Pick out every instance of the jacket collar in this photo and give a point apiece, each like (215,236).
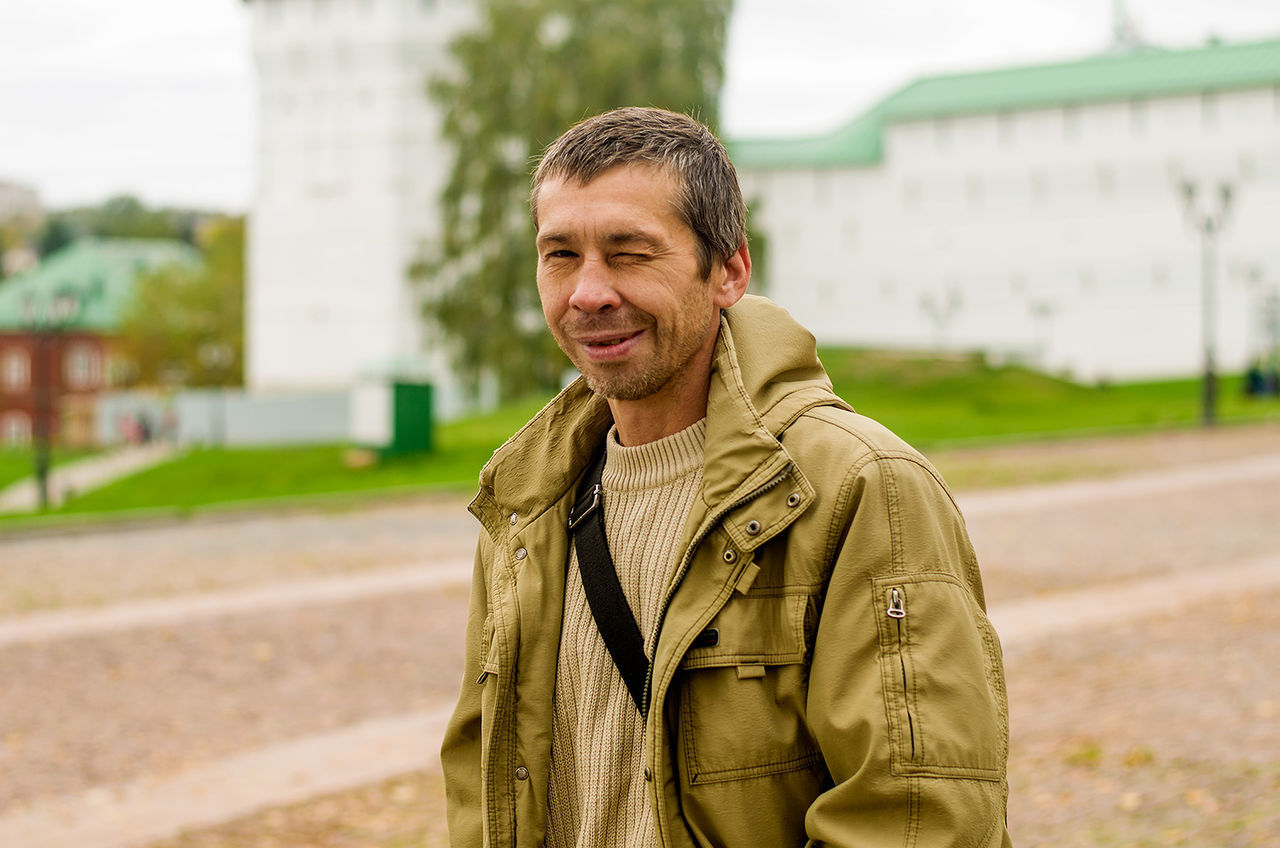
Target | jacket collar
(765,374)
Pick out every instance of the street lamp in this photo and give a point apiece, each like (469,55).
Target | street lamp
(1208,225)
(44,327)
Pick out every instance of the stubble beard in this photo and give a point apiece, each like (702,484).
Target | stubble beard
(673,353)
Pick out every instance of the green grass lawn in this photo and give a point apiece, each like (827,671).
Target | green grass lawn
(930,402)
(16,464)
(209,475)
(934,402)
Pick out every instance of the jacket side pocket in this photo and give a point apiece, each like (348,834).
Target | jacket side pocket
(940,670)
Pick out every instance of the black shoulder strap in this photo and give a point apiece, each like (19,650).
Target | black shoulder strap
(614,619)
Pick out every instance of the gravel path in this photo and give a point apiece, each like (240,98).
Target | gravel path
(99,710)
(1157,731)
(227,552)
(1054,549)
(111,704)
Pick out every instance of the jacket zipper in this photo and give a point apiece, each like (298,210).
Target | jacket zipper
(898,611)
(711,522)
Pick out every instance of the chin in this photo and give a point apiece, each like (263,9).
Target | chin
(625,387)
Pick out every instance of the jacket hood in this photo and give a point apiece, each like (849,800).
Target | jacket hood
(776,362)
(765,374)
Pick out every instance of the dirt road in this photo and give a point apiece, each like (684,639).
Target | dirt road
(134,660)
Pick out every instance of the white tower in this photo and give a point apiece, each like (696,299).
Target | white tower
(350,168)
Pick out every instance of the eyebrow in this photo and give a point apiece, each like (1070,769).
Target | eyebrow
(553,238)
(633,237)
(615,239)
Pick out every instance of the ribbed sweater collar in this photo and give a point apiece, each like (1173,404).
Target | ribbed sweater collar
(653,464)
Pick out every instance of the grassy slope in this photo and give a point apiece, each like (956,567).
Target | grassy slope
(206,476)
(928,402)
(931,401)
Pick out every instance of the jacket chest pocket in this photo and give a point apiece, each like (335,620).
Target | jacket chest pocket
(742,692)
(940,670)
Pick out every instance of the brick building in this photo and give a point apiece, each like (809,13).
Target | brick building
(58,323)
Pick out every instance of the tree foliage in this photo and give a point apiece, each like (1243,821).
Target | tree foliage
(528,71)
(123,216)
(186,324)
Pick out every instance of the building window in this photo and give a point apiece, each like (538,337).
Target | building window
(15,429)
(821,188)
(1209,108)
(83,367)
(973,190)
(15,371)
(911,193)
(1248,166)
(1088,280)
(1159,276)
(1137,116)
(1106,181)
(850,233)
(1005,124)
(942,133)
(1070,121)
(1039,186)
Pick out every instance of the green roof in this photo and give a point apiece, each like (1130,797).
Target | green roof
(101,274)
(1109,77)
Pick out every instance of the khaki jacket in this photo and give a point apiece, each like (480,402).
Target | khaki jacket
(816,718)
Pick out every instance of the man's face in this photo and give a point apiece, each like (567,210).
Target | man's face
(619,283)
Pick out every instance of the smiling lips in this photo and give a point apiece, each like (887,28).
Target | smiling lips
(600,346)
(607,342)
(601,340)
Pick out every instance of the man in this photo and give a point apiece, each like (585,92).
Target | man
(817,668)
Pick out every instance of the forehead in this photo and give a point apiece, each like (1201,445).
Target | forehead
(623,195)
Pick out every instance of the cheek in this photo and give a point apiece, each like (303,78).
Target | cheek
(548,297)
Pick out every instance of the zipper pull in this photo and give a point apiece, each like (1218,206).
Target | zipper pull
(897,609)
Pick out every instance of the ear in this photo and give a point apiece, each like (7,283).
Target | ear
(737,274)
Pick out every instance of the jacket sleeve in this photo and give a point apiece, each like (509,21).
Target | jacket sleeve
(461,750)
(906,695)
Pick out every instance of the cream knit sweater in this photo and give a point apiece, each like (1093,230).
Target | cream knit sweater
(598,796)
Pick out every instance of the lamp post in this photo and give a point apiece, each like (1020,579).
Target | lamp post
(1208,223)
(44,326)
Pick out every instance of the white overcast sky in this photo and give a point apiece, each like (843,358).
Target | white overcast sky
(156,97)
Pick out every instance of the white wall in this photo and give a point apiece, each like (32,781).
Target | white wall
(1054,236)
(351,167)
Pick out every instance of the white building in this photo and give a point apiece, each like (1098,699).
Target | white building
(1034,213)
(350,167)
(1037,213)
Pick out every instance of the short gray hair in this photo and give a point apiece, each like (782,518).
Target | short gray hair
(708,198)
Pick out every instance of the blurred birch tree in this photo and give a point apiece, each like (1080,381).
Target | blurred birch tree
(530,70)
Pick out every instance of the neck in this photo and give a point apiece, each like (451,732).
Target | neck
(677,405)
(638,425)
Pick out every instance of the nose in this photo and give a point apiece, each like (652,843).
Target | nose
(593,290)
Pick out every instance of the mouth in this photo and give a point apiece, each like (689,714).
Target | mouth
(603,347)
(609,342)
